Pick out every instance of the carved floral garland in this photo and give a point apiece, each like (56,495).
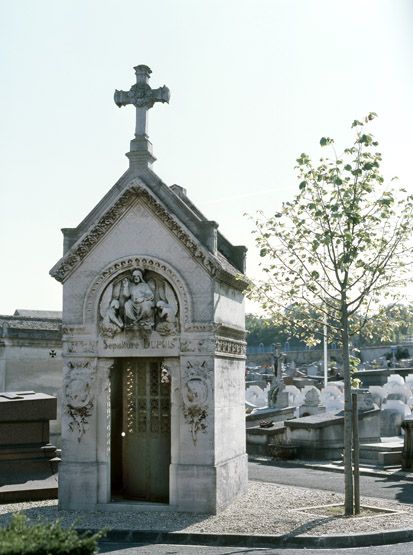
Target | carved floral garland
(196,418)
(79,416)
(78,391)
(195,394)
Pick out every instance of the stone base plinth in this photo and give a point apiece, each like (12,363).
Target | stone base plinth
(25,451)
(78,486)
(208,489)
(321,436)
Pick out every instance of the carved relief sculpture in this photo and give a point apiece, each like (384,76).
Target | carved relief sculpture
(195,395)
(140,304)
(165,374)
(134,303)
(111,322)
(79,399)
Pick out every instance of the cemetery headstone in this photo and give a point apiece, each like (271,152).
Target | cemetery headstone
(25,451)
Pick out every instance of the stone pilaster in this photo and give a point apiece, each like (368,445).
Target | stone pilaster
(103,428)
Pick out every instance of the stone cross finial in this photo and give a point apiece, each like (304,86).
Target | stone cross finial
(142,97)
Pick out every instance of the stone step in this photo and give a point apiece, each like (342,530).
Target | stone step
(30,490)
(392,446)
(385,453)
(384,459)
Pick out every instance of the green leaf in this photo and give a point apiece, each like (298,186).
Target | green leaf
(366,140)
(324,141)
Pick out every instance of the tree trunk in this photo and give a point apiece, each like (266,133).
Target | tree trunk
(348,420)
(356,453)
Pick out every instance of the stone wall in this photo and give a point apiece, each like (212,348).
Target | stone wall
(31,356)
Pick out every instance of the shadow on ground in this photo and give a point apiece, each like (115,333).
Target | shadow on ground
(405,493)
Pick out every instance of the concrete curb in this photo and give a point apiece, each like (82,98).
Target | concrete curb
(243,540)
(364,470)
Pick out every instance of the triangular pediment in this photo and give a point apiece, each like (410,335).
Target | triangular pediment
(72,259)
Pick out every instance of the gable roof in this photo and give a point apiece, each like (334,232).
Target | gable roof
(182,218)
(175,201)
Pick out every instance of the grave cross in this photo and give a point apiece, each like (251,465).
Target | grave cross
(142,97)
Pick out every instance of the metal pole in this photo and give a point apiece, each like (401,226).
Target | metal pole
(325,346)
(356,461)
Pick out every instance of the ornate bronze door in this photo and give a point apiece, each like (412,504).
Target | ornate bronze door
(146,444)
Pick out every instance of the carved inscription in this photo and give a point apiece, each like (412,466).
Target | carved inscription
(140,343)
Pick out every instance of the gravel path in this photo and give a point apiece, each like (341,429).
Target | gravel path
(266,508)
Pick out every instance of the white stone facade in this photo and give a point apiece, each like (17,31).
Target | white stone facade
(146,276)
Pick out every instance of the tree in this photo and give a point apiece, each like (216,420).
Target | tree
(263,330)
(336,250)
(387,325)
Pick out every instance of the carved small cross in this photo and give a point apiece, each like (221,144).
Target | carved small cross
(142,97)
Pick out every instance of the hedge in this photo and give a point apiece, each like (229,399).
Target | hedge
(20,537)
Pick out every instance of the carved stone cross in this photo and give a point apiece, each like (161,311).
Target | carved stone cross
(142,97)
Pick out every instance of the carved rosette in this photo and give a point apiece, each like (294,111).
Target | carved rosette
(78,390)
(196,396)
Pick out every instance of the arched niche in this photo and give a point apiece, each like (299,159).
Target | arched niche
(154,270)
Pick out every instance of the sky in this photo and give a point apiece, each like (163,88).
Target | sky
(253,84)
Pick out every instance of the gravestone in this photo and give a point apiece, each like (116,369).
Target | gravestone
(312,402)
(25,451)
(392,414)
(153,345)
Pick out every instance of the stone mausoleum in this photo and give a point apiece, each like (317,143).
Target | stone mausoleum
(153,345)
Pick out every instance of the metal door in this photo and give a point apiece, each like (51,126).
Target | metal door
(146,431)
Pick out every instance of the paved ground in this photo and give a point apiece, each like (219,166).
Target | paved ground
(391,487)
(267,509)
(285,501)
(168,549)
